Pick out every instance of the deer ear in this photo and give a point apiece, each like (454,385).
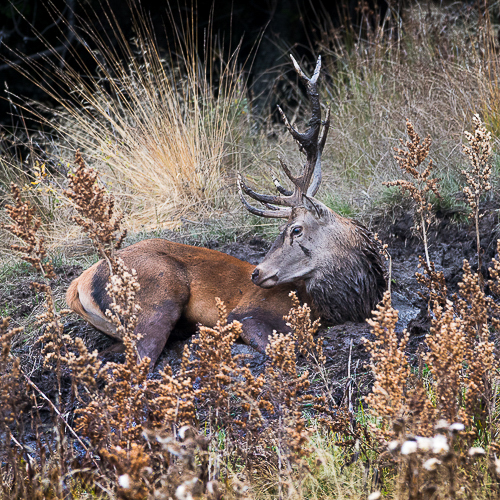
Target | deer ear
(317,208)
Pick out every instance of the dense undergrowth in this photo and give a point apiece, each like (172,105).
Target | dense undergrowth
(214,429)
(217,430)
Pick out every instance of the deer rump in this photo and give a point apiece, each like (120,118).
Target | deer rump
(333,263)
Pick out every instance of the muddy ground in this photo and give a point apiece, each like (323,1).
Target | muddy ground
(450,243)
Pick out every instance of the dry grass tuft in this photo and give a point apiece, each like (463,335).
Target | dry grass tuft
(156,126)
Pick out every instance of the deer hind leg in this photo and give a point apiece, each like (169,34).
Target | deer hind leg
(155,328)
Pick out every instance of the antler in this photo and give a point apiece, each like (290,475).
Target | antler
(311,142)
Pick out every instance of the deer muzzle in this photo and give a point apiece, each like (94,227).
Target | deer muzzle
(259,279)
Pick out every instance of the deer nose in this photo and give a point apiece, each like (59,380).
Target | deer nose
(255,275)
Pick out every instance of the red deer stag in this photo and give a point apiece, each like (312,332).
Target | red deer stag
(332,262)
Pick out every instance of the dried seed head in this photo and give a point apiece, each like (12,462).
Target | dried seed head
(478,152)
(457,427)
(124,481)
(424,444)
(394,446)
(440,444)
(476,451)
(497,466)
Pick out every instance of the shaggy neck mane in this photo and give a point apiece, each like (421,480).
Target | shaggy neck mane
(349,289)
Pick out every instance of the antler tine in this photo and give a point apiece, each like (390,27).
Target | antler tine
(312,143)
(263,198)
(280,188)
(272,212)
(310,134)
(287,171)
(295,133)
(316,180)
(313,78)
(308,140)
(324,133)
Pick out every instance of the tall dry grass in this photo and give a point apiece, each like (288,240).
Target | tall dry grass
(439,72)
(162,128)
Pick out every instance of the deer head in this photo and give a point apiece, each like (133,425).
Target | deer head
(335,256)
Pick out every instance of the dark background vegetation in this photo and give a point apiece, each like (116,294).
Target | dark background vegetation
(266,29)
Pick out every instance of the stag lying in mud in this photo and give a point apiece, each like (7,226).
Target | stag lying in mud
(331,262)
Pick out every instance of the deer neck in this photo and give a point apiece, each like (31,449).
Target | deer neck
(348,290)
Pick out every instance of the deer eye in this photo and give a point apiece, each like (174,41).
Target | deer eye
(296,231)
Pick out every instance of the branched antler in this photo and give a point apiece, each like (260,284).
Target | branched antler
(311,142)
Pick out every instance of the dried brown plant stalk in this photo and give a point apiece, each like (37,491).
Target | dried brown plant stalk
(238,399)
(285,389)
(434,282)
(227,390)
(172,402)
(390,369)
(447,345)
(12,386)
(327,412)
(477,178)
(299,321)
(222,375)
(410,160)
(474,309)
(128,466)
(25,226)
(96,210)
(53,339)
(494,283)
(116,413)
